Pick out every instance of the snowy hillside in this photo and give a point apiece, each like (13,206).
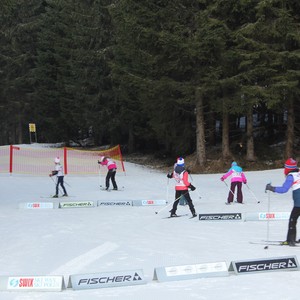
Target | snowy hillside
(116,238)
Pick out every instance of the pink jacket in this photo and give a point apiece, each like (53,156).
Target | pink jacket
(235,176)
(109,163)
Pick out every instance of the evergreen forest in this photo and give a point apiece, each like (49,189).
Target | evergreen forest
(172,77)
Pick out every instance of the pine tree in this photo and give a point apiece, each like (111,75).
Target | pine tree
(19,27)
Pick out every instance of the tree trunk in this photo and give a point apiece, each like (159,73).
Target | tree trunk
(211,128)
(250,141)
(225,133)
(200,131)
(289,152)
(19,128)
(131,139)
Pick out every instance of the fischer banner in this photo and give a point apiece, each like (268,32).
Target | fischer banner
(77,204)
(107,279)
(221,217)
(289,263)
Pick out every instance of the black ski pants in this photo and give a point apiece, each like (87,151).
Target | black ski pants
(292,231)
(111,174)
(187,196)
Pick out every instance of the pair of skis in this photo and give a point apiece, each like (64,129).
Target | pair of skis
(120,189)
(275,243)
(178,216)
(59,196)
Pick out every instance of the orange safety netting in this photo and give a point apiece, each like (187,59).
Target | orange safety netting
(24,159)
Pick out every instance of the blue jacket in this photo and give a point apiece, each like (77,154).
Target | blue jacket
(290,181)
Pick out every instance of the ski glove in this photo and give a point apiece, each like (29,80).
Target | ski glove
(222,178)
(245,182)
(269,187)
(192,187)
(169,175)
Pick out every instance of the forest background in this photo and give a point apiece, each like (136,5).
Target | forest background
(212,80)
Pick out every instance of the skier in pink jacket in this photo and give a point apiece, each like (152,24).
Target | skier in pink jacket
(237,178)
(112,170)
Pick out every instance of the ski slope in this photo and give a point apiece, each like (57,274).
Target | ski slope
(111,238)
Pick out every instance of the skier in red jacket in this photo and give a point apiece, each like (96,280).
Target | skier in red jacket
(181,187)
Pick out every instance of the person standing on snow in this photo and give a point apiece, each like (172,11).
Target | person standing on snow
(292,180)
(58,171)
(181,187)
(112,170)
(237,178)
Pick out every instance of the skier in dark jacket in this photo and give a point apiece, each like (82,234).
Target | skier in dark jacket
(181,188)
(292,180)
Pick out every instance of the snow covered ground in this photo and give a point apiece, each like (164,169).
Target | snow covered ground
(107,239)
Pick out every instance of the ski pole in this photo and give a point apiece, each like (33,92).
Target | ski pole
(252,193)
(168,191)
(268,218)
(66,183)
(56,184)
(157,212)
(229,188)
(197,193)
(196,188)
(190,176)
(99,175)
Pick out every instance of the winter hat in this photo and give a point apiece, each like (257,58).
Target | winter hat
(180,161)
(57,160)
(289,165)
(234,163)
(102,158)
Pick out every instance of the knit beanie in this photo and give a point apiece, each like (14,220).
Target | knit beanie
(180,161)
(290,165)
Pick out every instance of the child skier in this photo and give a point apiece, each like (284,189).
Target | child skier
(292,180)
(237,178)
(112,169)
(181,187)
(58,171)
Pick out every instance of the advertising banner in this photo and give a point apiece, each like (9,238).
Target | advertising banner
(33,283)
(221,217)
(115,203)
(185,272)
(265,265)
(108,279)
(149,202)
(80,204)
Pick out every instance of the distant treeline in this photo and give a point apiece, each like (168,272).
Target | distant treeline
(174,77)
